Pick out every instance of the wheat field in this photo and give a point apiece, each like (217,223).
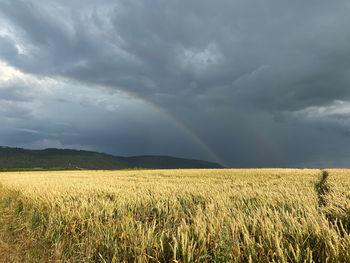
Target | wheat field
(224,215)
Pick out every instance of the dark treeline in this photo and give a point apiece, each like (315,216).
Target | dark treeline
(62,159)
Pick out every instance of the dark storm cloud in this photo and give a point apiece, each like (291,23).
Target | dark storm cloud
(241,74)
(174,47)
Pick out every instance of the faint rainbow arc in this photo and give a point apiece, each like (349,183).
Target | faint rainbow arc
(190,132)
(178,123)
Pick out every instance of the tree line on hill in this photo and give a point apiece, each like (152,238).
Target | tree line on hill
(64,159)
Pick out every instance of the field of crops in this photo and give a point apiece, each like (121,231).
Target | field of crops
(227,215)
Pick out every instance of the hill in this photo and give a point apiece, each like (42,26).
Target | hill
(18,158)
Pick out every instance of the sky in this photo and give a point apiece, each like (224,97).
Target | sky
(239,82)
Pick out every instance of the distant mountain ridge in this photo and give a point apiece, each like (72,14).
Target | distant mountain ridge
(64,159)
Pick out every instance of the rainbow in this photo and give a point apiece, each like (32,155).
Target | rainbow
(165,113)
(185,128)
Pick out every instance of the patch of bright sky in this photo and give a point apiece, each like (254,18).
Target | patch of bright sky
(41,89)
(337,107)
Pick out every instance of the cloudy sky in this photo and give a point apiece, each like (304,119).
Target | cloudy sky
(241,82)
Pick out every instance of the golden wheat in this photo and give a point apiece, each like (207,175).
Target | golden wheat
(225,215)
